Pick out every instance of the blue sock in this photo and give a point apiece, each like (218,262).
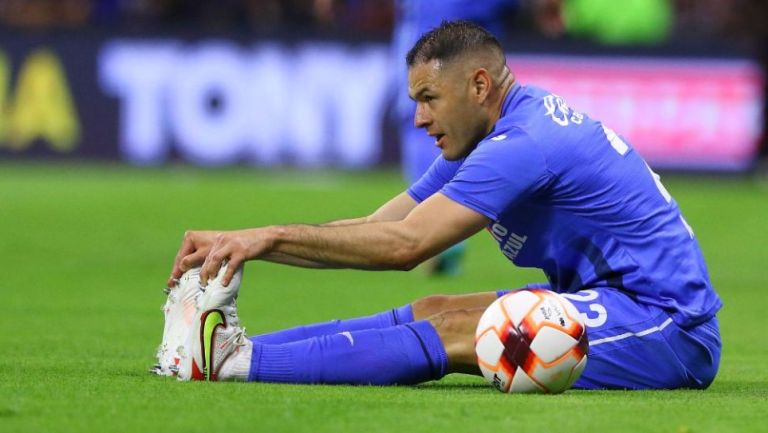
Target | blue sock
(393,317)
(404,355)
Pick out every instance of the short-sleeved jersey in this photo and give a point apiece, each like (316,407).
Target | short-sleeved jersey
(569,196)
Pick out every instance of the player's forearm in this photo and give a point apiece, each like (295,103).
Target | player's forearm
(377,246)
(286,259)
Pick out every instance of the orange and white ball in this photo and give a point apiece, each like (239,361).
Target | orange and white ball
(531,340)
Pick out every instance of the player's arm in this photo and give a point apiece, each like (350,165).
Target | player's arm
(197,244)
(429,228)
(394,210)
(389,240)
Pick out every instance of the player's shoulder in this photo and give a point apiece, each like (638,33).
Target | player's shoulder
(508,145)
(542,110)
(515,127)
(507,137)
(547,118)
(515,131)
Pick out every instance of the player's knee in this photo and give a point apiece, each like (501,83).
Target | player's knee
(455,322)
(435,304)
(430,306)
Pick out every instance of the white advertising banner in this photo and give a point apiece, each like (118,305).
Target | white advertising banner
(314,104)
(215,102)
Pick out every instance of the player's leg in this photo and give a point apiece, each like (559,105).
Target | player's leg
(456,330)
(632,346)
(403,354)
(406,354)
(417,310)
(384,319)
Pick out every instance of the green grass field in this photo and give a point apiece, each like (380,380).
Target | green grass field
(85,251)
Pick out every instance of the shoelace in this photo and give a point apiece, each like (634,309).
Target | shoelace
(237,338)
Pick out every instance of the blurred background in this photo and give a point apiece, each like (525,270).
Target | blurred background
(314,83)
(124,123)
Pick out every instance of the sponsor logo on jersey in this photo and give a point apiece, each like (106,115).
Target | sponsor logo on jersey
(510,243)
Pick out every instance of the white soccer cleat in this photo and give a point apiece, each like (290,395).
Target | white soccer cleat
(218,351)
(179,311)
(217,296)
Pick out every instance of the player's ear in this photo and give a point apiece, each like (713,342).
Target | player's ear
(481,84)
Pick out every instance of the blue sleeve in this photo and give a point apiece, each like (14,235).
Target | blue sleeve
(438,174)
(498,174)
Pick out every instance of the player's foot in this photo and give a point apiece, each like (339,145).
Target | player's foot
(215,296)
(218,351)
(179,311)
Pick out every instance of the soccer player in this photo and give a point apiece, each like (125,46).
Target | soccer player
(554,188)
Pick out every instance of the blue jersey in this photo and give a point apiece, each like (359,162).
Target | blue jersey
(567,195)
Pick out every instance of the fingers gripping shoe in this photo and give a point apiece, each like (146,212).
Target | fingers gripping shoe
(218,351)
(179,311)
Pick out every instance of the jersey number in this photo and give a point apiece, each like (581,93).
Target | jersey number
(600,313)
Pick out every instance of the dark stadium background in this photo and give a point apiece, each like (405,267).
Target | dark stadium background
(215,82)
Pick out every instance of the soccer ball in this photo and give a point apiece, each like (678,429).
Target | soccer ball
(531,340)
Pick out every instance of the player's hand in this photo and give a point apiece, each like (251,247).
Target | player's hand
(233,248)
(194,248)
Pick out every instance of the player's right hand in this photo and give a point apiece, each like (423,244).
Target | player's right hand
(194,248)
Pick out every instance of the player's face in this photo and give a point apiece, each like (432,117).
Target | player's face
(445,107)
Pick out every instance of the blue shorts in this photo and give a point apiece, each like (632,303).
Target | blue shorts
(638,346)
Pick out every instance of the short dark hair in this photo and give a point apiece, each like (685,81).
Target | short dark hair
(449,40)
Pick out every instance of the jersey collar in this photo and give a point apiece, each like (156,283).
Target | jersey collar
(510,100)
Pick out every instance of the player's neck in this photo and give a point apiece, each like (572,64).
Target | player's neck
(507,82)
